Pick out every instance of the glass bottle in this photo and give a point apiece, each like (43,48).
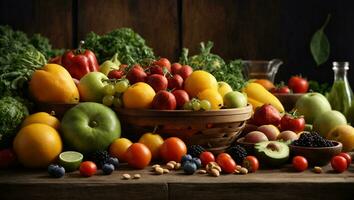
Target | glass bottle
(341,95)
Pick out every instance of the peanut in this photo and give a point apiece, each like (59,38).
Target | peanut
(177,166)
(126,176)
(244,170)
(136,176)
(214,172)
(166,171)
(158,171)
(170,166)
(201,171)
(317,170)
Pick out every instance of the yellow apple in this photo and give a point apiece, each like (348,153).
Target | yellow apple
(224,88)
(343,134)
(153,142)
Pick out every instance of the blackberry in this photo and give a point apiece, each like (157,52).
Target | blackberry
(312,139)
(237,153)
(99,158)
(195,150)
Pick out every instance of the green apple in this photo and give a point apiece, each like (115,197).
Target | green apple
(325,122)
(312,105)
(235,99)
(91,87)
(90,126)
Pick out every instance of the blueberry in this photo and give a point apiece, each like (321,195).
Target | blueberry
(107,168)
(197,162)
(51,169)
(186,158)
(189,167)
(56,171)
(114,162)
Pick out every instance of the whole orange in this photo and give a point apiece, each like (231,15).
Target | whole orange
(138,156)
(173,149)
(153,142)
(119,147)
(139,95)
(37,145)
(43,118)
(198,81)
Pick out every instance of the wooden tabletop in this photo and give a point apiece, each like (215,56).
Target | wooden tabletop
(264,184)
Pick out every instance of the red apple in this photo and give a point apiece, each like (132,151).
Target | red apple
(175,67)
(175,82)
(266,114)
(163,62)
(181,96)
(157,82)
(156,69)
(164,100)
(136,74)
(185,71)
(116,74)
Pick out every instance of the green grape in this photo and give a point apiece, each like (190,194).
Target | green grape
(196,105)
(205,105)
(121,86)
(117,102)
(188,106)
(108,100)
(109,90)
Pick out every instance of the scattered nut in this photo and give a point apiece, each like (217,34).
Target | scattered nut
(237,171)
(154,167)
(317,170)
(178,166)
(214,172)
(158,171)
(170,166)
(213,165)
(244,170)
(166,171)
(136,176)
(126,176)
(201,171)
(238,167)
(173,162)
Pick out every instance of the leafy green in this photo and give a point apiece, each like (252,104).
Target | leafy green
(129,46)
(315,86)
(320,47)
(43,45)
(12,112)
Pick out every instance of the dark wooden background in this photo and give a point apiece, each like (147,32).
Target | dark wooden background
(247,29)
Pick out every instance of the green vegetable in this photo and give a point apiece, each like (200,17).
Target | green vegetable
(129,46)
(319,46)
(42,44)
(109,65)
(318,87)
(12,113)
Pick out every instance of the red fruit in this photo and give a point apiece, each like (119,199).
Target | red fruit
(7,158)
(136,74)
(298,84)
(164,100)
(157,82)
(292,123)
(283,90)
(347,157)
(138,156)
(185,71)
(226,163)
(181,96)
(163,62)
(300,163)
(175,82)
(88,168)
(123,66)
(266,114)
(339,164)
(156,69)
(175,67)
(173,149)
(251,163)
(206,157)
(116,74)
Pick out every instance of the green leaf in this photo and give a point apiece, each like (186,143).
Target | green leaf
(320,47)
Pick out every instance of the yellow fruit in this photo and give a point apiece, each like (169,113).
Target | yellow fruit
(119,147)
(267,84)
(343,134)
(42,118)
(153,142)
(37,145)
(224,88)
(198,81)
(213,97)
(139,95)
(255,104)
(53,84)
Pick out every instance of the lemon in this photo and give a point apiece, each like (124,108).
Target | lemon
(213,97)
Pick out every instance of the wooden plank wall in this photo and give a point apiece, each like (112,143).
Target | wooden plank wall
(253,29)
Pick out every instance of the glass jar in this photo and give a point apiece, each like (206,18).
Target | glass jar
(341,95)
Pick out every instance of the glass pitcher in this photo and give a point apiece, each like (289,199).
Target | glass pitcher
(261,69)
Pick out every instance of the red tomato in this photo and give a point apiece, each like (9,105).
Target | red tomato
(227,164)
(251,163)
(298,84)
(138,155)
(88,168)
(292,123)
(300,163)
(347,157)
(175,67)
(206,157)
(163,62)
(339,164)
(283,90)
(173,149)
(7,158)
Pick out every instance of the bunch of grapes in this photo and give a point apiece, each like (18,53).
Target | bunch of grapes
(196,104)
(113,92)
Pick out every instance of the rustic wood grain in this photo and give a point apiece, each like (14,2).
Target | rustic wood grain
(156,21)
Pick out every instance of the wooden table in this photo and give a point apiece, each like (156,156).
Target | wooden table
(264,184)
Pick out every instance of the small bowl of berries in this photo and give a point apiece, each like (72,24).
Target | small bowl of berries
(317,150)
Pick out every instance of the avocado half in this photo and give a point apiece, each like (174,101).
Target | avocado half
(272,153)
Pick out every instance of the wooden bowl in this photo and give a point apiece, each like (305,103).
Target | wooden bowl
(288,100)
(58,108)
(317,156)
(215,130)
(249,147)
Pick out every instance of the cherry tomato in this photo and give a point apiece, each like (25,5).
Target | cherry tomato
(88,168)
(227,164)
(163,62)
(206,157)
(138,155)
(339,164)
(175,67)
(7,158)
(251,163)
(292,123)
(298,84)
(173,149)
(347,157)
(300,163)
(283,90)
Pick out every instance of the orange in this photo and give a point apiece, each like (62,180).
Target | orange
(198,81)
(213,96)
(267,84)
(139,95)
(119,147)
(173,149)
(43,118)
(138,156)
(153,142)
(37,145)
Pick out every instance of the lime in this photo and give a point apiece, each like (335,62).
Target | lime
(70,160)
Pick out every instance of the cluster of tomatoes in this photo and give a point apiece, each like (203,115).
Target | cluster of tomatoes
(296,84)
